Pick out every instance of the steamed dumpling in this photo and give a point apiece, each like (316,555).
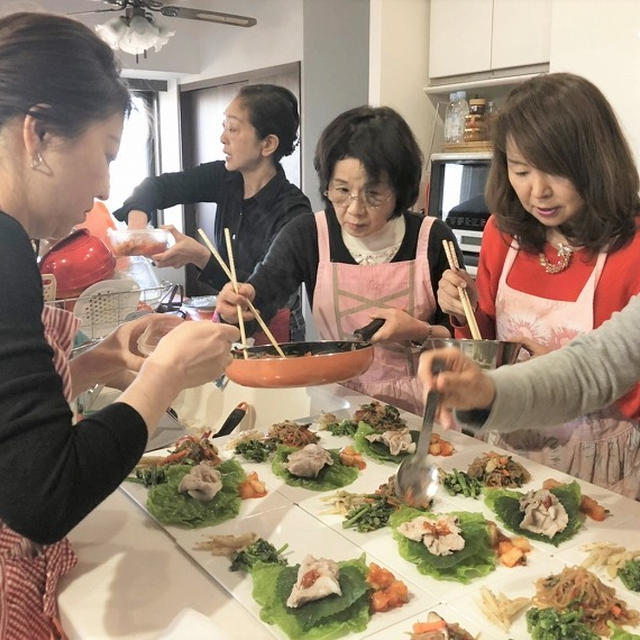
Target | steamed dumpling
(308,461)
(202,482)
(317,578)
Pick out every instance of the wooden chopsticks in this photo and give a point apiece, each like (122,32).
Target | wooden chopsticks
(234,284)
(452,257)
(231,276)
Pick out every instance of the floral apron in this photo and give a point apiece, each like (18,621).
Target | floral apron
(345,297)
(601,447)
(29,572)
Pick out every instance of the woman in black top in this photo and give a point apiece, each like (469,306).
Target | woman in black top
(62,107)
(365,256)
(254,198)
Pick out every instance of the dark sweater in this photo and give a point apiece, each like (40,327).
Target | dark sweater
(52,473)
(253,222)
(293,257)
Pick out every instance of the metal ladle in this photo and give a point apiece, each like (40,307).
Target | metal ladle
(417,479)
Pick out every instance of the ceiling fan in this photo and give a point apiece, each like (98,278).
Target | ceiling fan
(136,31)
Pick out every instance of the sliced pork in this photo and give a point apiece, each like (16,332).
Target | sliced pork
(543,513)
(398,441)
(202,482)
(308,461)
(317,578)
(441,537)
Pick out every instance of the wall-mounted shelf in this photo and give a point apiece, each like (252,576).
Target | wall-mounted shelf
(479,83)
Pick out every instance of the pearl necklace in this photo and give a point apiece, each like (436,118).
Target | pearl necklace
(565,252)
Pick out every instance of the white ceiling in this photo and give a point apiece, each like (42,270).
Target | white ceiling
(186,52)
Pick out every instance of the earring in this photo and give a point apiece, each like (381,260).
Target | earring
(36,161)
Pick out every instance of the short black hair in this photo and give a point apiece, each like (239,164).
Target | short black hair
(59,71)
(273,110)
(383,142)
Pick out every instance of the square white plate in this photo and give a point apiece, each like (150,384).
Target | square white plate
(292,526)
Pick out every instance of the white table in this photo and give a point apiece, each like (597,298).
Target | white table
(132,578)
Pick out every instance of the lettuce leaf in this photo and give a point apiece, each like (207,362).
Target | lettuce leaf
(620,634)
(377,450)
(475,560)
(505,503)
(330,617)
(170,507)
(330,477)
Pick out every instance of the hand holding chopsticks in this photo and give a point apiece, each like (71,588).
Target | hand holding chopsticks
(234,284)
(225,268)
(452,257)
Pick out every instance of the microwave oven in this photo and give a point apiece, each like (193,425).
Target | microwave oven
(456,196)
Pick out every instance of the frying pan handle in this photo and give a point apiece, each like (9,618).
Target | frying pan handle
(365,333)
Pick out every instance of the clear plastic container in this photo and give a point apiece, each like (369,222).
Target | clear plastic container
(200,307)
(139,242)
(450,119)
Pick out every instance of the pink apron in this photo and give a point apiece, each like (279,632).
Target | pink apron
(601,447)
(29,572)
(346,296)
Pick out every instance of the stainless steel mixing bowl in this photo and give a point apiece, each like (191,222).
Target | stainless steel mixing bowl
(487,354)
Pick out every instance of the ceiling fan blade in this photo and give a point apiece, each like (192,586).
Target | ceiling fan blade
(87,13)
(208,16)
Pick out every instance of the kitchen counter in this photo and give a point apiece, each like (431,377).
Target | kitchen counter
(134,577)
(131,579)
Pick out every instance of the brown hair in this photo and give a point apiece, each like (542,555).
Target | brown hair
(57,70)
(563,125)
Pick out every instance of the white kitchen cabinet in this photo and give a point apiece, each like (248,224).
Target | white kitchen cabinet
(521,33)
(472,36)
(459,37)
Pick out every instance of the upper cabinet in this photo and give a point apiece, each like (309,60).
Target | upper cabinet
(472,36)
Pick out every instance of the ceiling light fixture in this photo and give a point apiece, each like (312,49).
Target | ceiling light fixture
(134,33)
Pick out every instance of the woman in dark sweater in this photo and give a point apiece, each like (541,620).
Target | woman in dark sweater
(253,197)
(365,256)
(62,107)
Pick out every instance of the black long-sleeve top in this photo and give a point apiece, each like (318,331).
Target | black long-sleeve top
(293,257)
(52,473)
(253,222)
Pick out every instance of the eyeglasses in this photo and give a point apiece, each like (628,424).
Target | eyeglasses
(373,198)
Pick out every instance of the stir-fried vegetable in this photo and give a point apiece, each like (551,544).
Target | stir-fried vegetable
(549,624)
(373,514)
(260,550)
(345,428)
(256,450)
(460,482)
(151,475)
(630,574)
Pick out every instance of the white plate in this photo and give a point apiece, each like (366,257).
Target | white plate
(291,525)
(104,305)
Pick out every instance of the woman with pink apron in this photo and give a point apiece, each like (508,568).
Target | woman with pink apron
(601,447)
(346,298)
(365,255)
(29,572)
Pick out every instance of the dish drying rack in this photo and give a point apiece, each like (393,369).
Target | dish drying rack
(104,308)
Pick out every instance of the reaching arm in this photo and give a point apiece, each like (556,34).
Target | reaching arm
(592,372)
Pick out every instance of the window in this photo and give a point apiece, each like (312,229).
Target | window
(136,158)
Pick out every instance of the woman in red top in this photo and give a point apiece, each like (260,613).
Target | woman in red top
(559,256)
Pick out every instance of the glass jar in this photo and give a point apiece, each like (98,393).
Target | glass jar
(475,123)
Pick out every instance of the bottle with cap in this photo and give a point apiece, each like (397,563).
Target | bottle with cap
(462,112)
(450,119)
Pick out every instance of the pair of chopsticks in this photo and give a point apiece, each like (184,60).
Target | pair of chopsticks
(230,271)
(452,257)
